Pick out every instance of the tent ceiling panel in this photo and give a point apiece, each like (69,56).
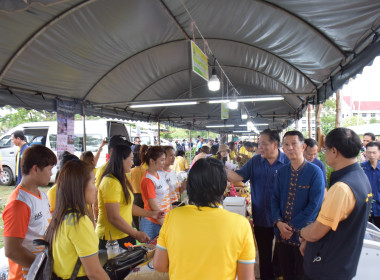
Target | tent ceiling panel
(109,54)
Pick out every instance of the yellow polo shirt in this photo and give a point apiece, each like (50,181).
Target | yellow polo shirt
(212,238)
(72,241)
(111,191)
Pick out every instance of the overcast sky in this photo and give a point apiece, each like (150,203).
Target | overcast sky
(365,86)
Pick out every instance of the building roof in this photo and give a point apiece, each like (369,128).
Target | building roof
(362,105)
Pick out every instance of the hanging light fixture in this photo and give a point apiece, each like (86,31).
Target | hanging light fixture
(214,82)
(244,114)
(233,104)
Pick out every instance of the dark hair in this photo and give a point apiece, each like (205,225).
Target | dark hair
(248,144)
(63,158)
(143,150)
(231,145)
(167,148)
(115,167)
(205,149)
(207,182)
(153,153)
(370,134)
(310,142)
(37,155)
(118,140)
(19,134)
(295,133)
(272,134)
(373,144)
(136,155)
(345,140)
(87,157)
(180,153)
(214,149)
(71,186)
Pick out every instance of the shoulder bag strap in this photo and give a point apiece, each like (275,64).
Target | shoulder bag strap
(76,270)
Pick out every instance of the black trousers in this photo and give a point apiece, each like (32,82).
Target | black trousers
(264,238)
(375,221)
(291,261)
(139,202)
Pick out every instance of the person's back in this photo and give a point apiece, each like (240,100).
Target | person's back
(219,243)
(180,163)
(213,239)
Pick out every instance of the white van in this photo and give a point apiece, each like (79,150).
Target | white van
(45,133)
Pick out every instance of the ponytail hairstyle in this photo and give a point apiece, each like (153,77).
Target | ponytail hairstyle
(71,185)
(154,152)
(115,168)
(143,150)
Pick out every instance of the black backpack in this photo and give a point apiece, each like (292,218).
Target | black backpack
(42,266)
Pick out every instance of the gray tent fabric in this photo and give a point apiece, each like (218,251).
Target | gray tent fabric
(107,55)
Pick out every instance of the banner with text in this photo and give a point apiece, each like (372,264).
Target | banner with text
(65,127)
(199,61)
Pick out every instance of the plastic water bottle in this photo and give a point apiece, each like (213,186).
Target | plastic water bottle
(113,248)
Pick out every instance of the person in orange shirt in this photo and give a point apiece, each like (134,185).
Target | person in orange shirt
(155,191)
(27,214)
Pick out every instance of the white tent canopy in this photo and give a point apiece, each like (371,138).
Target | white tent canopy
(109,54)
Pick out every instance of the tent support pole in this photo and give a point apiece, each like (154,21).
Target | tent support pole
(84,128)
(158,132)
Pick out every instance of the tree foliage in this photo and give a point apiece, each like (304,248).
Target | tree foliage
(19,116)
(328,115)
(354,120)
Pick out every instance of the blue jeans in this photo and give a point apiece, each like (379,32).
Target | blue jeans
(150,228)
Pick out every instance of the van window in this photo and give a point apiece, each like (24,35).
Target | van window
(93,142)
(6,142)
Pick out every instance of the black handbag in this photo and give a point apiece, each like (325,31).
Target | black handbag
(120,266)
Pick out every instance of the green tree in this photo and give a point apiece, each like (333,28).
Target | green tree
(354,120)
(328,115)
(21,115)
(374,120)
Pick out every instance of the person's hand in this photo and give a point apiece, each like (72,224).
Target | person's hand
(183,186)
(302,246)
(141,237)
(157,214)
(104,142)
(285,230)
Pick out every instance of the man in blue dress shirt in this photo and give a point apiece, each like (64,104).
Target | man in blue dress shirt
(261,170)
(371,168)
(310,154)
(296,200)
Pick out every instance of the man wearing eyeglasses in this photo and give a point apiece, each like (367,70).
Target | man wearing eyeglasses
(332,244)
(261,170)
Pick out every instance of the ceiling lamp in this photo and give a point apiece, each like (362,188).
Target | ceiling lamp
(244,114)
(166,104)
(233,104)
(213,82)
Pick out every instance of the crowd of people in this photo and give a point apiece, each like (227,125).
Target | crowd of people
(316,229)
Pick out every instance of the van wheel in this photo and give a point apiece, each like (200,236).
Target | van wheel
(7,178)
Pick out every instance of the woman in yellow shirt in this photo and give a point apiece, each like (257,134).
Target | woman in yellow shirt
(115,200)
(218,241)
(137,173)
(71,232)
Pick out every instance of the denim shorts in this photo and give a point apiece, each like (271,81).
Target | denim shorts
(150,228)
